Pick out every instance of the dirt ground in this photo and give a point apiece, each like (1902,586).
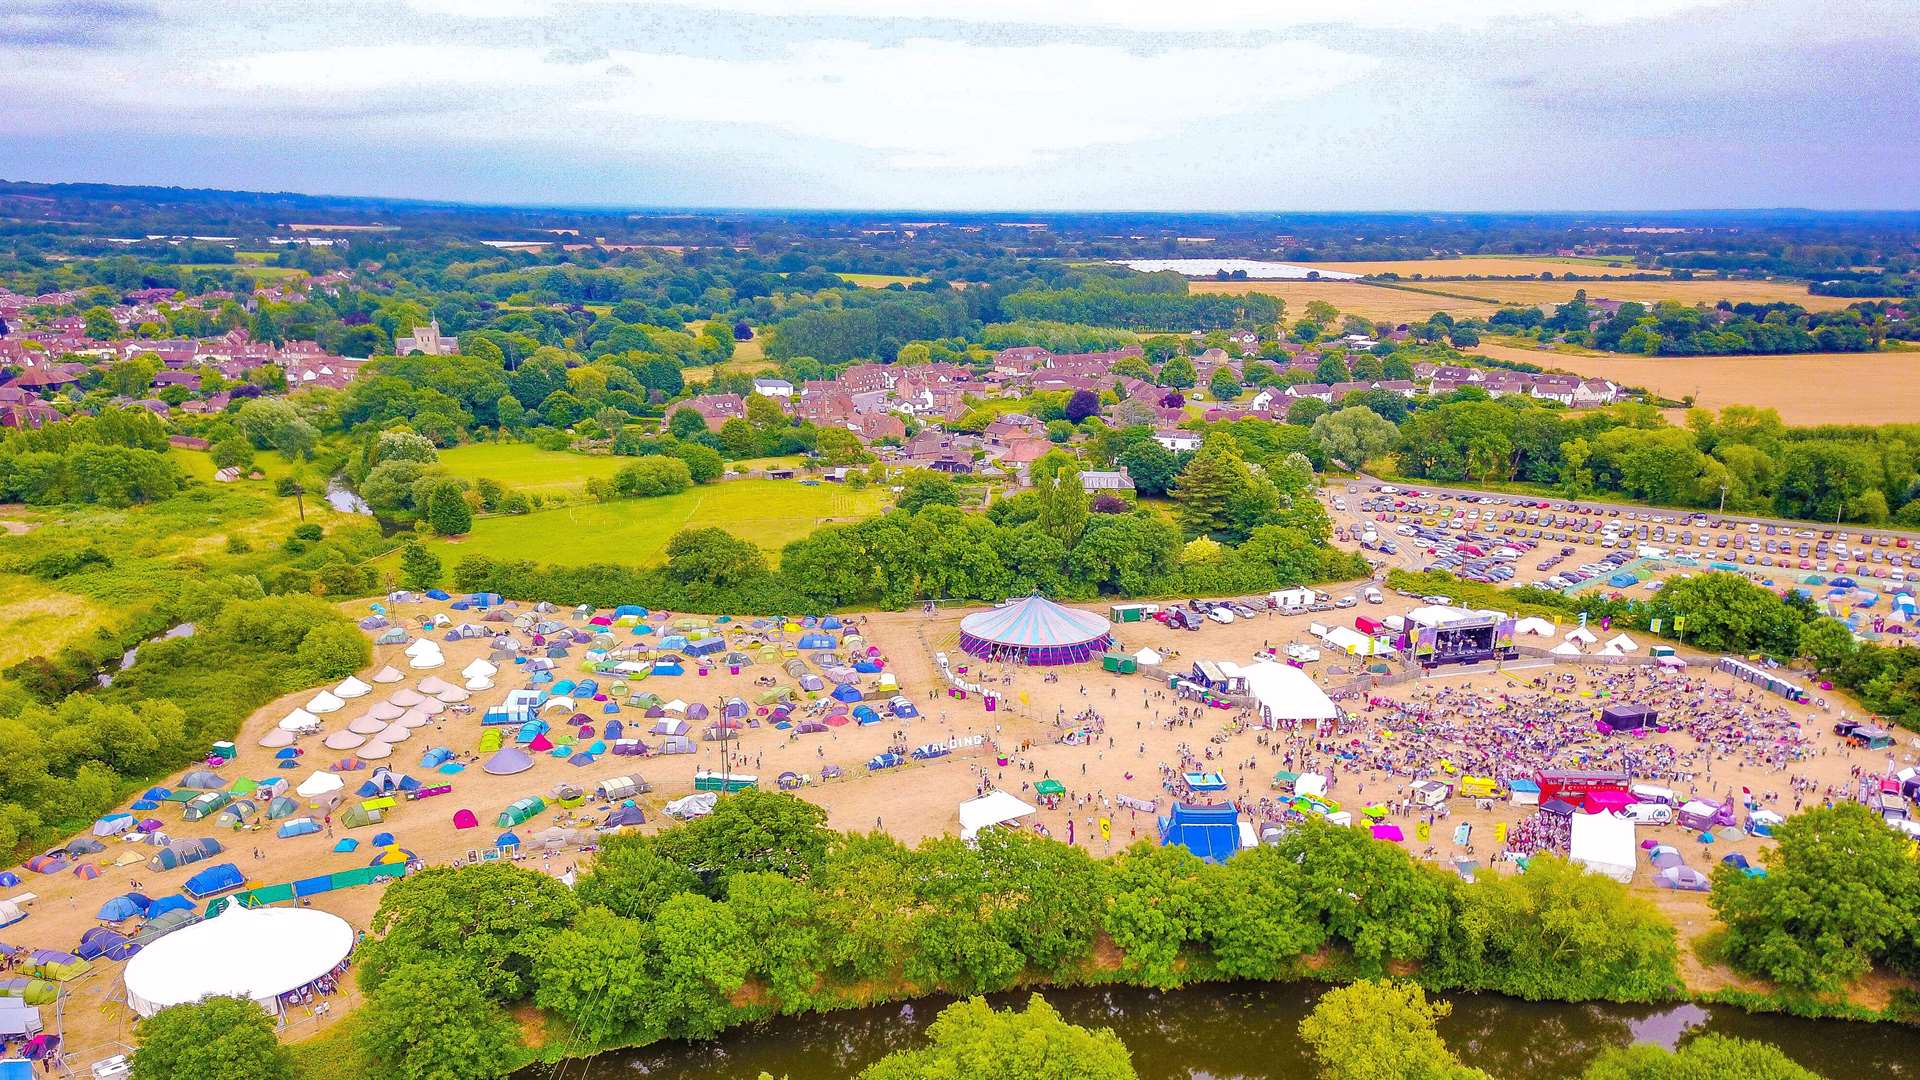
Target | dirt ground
(1143,733)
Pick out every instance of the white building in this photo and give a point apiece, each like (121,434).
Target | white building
(777,388)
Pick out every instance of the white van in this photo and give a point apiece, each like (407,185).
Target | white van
(1650,813)
(1649,793)
(1220,615)
(1374,597)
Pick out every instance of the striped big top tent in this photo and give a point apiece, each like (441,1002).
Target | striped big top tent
(1035,630)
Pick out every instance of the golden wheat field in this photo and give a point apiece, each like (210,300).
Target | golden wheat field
(1367,301)
(1685,292)
(1810,388)
(1486,266)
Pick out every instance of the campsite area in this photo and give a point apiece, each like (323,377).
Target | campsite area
(860,716)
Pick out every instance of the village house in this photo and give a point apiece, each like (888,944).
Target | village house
(774,388)
(1096,482)
(1176,440)
(715,409)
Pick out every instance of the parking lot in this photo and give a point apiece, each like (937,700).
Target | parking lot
(1557,544)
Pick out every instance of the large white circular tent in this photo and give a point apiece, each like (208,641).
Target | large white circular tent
(1035,631)
(257,954)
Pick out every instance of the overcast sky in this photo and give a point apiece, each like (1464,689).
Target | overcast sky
(1045,104)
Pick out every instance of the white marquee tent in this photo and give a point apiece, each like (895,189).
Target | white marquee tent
(993,808)
(1604,844)
(1286,693)
(257,953)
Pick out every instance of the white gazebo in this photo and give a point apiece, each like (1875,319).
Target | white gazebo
(253,953)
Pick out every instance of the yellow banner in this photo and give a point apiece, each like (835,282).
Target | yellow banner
(1106,828)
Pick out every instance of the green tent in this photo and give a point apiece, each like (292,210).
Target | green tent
(204,804)
(59,967)
(521,810)
(244,786)
(358,817)
(1050,787)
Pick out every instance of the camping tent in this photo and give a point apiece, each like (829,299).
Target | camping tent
(507,761)
(320,783)
(521,810)
(1604,844)
(213,880)
(325,702)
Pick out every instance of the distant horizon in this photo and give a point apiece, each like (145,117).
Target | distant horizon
(1003,211)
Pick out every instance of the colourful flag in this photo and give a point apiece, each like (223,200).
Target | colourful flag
(1106,828)
(1500,833)
(1424,831)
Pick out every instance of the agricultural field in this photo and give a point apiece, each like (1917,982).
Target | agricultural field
(1487,266)
(767,513)
(1709,292)
(1376,302)
(1809,388)
(527,468)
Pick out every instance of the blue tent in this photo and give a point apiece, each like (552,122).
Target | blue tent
(669,669)
(168,903)
(1211,832)
(866,667)
(585,688)
(146,804)
(382,839)
(614,728)
(831,622)
(610,708)
(438,594)
(629,609)
(434,756)
(157,793)
(642,630)
(120,907)
(706,646)
(563,688)
(506,839)
(904,709)
(816,641)
(346,844)
(8,879)
(846,692)
(865,714)
(530,731)
(305,826)
(674,641)
(286,752)
(214,880)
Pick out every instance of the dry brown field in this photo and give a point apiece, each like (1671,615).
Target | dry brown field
(1647,292)
(1484,266)
(1808,388)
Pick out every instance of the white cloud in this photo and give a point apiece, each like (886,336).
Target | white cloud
(1141,15)
(924,103)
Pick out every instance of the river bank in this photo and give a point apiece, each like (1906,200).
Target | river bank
(1248,1031)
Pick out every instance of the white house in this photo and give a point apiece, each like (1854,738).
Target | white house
(1174,439)
(779,388)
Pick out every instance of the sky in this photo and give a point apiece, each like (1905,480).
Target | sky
(1254,105)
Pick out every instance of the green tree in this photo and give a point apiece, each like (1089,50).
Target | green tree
(1151,465)
(419,568)
(714,557)
(1369,1030)
(448,512)
(971,1041)
(1178,373)
(211,1038)
(432,1020)
(1218,496)
(1840,894)
(491,920)
(924,488)
(753,831)
(686,423)
(1223,385)
(1354,435)
(1063,506)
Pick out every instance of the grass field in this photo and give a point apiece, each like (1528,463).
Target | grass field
(1486,266)
(257,271)
(1352,298)
(523,467)
(881,281)
(768,513)
(40,618)
(1812,388)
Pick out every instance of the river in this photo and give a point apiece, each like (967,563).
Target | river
(1246,1031)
